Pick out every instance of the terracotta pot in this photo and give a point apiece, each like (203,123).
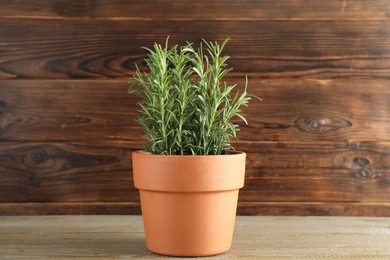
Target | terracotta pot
(188,202)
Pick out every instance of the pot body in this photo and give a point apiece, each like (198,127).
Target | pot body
(188,202)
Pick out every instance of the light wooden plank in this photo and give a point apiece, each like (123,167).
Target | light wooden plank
(106,237)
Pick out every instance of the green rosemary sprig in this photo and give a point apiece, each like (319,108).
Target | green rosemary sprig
(185,106)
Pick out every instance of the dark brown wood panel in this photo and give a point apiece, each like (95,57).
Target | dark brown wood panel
(244,208)
(312,209)
(322,172)
(201,9)
(87,48)
(319,143)
(34,110)
(319,110)
(276,172)
(306,110)
(63,208)
(66,172)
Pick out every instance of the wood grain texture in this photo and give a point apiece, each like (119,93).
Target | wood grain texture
(276,172)
(306,110)
(110,237)
(67,110)
(201,9)
(319,111)
(319,143)
(354,209)
(66,172)
(323,172)
(87,48)
(376,209)
(76,208)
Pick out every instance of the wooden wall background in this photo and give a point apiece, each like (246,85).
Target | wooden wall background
(319,144)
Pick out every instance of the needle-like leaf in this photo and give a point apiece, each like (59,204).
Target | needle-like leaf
(186,107)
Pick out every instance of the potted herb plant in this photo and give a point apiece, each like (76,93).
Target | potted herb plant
(189,175)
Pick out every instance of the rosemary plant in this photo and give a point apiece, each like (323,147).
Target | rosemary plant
(186,107)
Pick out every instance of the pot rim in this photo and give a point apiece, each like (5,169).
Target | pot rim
(192,173)
(230,153)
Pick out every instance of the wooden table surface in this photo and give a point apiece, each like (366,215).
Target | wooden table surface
(122,237)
